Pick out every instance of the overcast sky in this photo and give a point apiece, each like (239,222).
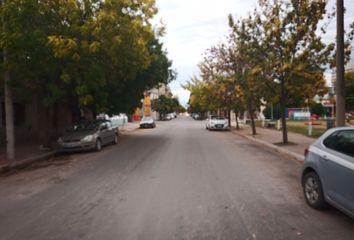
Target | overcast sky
(195,25)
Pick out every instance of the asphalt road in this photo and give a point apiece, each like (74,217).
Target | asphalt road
(177,181)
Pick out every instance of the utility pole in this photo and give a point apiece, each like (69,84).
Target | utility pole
(10,136)
(340,82)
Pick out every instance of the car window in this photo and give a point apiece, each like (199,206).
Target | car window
(342,141)
(85,126)
(217,118)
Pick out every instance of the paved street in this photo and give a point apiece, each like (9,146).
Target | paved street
(177,181)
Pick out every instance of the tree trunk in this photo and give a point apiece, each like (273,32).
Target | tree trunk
(237,124)
(9,113)
(283,119)
(253,124)
(48,127)
(229,116)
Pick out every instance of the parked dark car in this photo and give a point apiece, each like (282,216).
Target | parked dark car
(328,172)
(89,135)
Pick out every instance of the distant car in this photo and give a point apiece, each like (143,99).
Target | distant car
(328,171)
(147,122)
(173,115)
(215,122)
(196,116)
(167,117)
(88,135)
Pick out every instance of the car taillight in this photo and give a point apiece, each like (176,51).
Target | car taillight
(306,152)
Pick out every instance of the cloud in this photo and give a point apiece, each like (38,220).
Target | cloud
(194,26)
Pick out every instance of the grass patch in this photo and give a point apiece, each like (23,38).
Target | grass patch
(316,132)
(298,126)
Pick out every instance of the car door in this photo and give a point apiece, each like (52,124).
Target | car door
(111,132)
(338,167)
(104,133)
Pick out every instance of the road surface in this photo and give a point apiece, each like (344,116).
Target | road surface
(178,181)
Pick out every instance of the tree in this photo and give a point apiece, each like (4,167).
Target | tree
(200,93)
(318,109)
(165,105)
(244,59)
(349,81)
(89,54)
(296,56)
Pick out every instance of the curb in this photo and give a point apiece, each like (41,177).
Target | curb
(26,162)
(128,130)
(273,147)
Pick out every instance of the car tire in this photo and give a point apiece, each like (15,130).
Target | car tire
(115,141)
(98,146)
(313,191)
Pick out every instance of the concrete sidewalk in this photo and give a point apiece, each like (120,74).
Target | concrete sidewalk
(272,139)
(26,153)
(128,127)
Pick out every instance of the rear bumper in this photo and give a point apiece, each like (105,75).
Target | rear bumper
(147,125)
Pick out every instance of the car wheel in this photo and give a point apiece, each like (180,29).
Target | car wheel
(115,141)
(98,145)
(313,191)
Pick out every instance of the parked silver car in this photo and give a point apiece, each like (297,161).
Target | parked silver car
(89,135)
(328,172)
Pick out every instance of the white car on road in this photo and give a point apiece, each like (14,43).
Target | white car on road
(216,122)
(147,122)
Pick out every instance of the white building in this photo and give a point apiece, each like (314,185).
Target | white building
(162,89)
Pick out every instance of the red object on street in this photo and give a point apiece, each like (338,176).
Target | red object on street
(136,118)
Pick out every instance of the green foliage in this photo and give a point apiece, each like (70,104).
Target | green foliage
(349,81)
(317,109)
(200,98)
(276,112)
(165,105)
(275,54)
(95,54)
(296,56)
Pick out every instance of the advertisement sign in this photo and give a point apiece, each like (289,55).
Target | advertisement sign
(147,105)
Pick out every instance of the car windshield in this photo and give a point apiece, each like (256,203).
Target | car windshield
(146,119)
(86,126)
(217,118)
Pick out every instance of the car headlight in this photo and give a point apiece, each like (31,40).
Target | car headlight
(88,138)
(60,140)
